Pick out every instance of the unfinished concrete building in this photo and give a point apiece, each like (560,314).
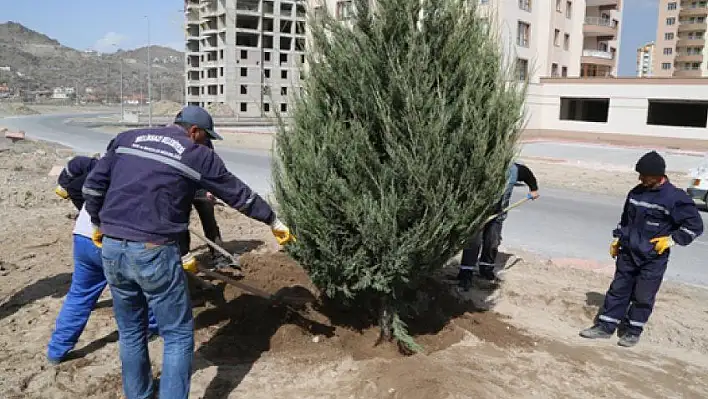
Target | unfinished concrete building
(244,53)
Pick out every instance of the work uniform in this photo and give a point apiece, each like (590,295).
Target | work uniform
(489,238)
(140,195)
(88,280)
(648,213)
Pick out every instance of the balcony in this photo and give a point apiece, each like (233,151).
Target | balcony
(684,57)
(693,12)
(596,26)
(685,42)
(687,73)
(597,3)
(685,27)
(598,57)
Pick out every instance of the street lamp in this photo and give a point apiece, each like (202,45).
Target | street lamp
(149,60)
(122,102)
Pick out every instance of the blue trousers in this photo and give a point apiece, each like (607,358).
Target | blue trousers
(630,299)
(141,275)
(87,284)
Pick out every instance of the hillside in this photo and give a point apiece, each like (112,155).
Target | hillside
(39,62)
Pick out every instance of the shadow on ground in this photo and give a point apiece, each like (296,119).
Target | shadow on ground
(55,286)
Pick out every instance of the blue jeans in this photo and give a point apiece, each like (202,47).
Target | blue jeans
(141,275)
(87,284)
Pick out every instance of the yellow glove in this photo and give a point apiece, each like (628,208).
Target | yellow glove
(281,232)
(190,263)
(97,237)
(61,192)
(614,248)
(661,244)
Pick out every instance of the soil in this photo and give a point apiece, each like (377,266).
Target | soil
(515,339)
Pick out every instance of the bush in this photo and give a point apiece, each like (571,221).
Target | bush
(397,150)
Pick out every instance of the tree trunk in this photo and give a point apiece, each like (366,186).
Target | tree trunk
(385,321)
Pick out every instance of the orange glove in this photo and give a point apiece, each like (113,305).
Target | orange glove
(97,237)
(661,244)
(281,232)
(189,263)
(614,248)
(61,192)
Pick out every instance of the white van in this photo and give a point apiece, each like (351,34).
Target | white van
(698,187)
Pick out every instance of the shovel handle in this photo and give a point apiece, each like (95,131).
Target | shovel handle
(508,208)
(216,246)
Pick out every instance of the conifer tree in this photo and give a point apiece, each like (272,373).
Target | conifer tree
(397,150)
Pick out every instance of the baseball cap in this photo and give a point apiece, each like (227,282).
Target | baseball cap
(198,117)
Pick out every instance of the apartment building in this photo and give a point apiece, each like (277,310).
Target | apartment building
(645,60)
(244,53)
(680,39)
(558,38)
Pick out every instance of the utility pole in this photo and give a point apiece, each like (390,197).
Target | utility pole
(122,102)
(149,75)
(262,4)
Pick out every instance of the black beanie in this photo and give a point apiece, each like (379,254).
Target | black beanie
(651,164)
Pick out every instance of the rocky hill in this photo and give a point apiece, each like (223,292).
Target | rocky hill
(33,61)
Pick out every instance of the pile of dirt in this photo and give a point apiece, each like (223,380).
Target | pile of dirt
(219,109)
(250,325)
(166,108)
(17,109)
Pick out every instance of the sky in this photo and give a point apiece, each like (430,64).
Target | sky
(102,25)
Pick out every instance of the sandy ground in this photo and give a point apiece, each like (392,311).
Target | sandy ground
(525,345)
(17,109)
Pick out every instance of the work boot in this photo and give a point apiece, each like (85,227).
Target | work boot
(465,279)
(628,340)
(595,332)
(487,274)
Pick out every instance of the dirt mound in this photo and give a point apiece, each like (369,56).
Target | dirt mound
(17,109)
(249,325)
(219,109)
(166,108)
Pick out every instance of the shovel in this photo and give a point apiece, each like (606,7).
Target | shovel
(281,298)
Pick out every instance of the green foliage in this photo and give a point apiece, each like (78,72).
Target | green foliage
(398,149)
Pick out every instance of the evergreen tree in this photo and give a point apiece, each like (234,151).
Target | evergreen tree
(397,150)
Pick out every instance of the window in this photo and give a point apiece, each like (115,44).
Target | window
(584,109)
(244,72)
(283,91)
(283,59)
(244,107)
(556,37)
(244,54)
(671,6)
(684,113)
(670,21)
(221,71)
(525,5)
(668,51)
(244,90)
(564,71)
(558,5)
(283,107)
(283,74)
(221,89)
(523,33)
(666,65)
(566,41)
(669,36)
(522,69)
(266,73)
(266,107)
(483,2)
(569,9)
(554,70)
(345,9)
(266,56)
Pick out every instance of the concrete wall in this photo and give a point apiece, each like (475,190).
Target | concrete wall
(628,105)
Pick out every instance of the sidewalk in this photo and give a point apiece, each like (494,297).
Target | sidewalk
(669,145)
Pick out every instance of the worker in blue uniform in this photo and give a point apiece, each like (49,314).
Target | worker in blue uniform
(139,197)
(87,281)
(656,216)
(481,253)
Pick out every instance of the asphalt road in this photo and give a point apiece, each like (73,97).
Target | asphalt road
(561,224)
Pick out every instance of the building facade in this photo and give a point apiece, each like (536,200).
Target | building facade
(680,39)
(244,54)
(645,60)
